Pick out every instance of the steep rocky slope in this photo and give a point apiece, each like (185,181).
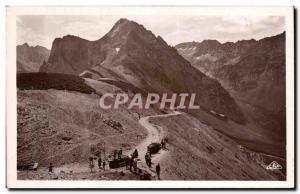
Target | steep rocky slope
(252,71)
(61,127)
(29,58)
(197,151)
(133,54)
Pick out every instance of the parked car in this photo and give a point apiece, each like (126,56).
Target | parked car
(153,148)
(119,162)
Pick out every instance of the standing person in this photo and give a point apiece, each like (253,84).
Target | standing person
(103,165)
(147,159)
(162,143)
(99,162)
(135,164)
(131,163)
(51,168)
(157,169)
(91,159)
(120,153)
(127,163)
(135,154)
(115,154)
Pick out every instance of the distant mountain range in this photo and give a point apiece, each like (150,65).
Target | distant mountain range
(131,53)
(252,71)
(30,58)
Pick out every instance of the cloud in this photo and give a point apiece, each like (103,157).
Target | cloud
(43,29)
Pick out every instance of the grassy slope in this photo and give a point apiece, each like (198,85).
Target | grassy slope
(45,81)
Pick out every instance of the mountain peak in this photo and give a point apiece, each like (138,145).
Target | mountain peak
(124,26)
(70,36)
(211,42)
(25,44)
(123,20)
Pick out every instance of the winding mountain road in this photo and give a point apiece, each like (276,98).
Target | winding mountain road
(155,134)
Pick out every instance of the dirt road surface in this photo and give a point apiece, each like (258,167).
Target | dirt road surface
(155,134)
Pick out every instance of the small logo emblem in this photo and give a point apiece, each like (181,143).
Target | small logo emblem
(274,166)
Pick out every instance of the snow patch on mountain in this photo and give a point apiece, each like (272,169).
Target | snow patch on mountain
(207,56)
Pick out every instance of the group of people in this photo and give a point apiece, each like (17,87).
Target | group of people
(131,163)
(118,153)
(101,164)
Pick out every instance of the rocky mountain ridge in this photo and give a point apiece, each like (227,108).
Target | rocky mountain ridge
(30,58)
(252,71)
(132,53)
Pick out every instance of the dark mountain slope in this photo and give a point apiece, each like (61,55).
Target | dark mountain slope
(252,71)
(68,55)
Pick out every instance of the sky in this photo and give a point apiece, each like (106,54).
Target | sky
(43,29)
